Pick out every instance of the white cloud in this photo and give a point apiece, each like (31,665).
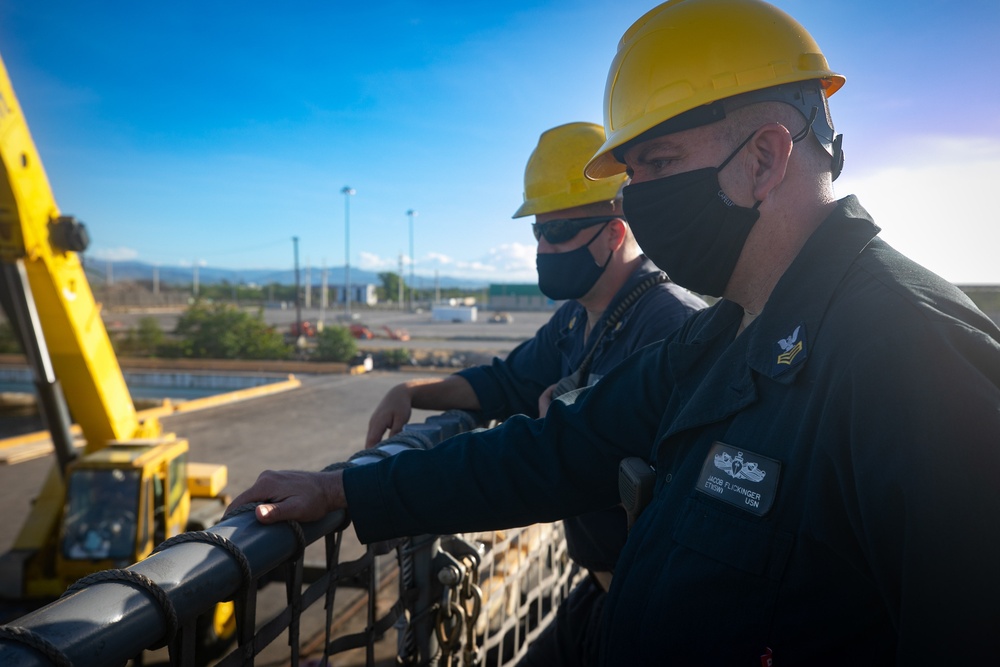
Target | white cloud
(515,258)
(369,261)
(439,258)
(937,205)
(113,254)
(509,262)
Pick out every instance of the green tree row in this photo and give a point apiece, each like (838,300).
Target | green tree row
(220,331)
(223,331)
(389,290)
(216,331)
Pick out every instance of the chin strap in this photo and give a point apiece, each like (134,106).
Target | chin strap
(837,163)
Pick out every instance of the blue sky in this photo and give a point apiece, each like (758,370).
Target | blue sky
(214,132)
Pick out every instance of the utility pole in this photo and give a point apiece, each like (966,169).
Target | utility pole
(323,298)
(411,214)
(298,300)
(309,284)
(347,192)
(399,281)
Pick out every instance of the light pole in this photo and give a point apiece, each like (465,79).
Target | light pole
(411,214)
(298,292)
(399,283)
(347,192)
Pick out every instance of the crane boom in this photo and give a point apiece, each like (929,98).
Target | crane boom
(43,245)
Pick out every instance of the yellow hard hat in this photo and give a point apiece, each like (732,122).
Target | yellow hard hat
(686,54)
(553,178)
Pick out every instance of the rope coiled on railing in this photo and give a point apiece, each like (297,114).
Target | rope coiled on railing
(145,583)
(195,577)
(28,638)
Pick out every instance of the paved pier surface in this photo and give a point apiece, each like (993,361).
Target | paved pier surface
(321,421)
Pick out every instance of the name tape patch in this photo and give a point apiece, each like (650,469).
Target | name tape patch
(739,477)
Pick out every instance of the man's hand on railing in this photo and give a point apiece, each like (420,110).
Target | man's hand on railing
(294,495)
(395,409)
(391,414)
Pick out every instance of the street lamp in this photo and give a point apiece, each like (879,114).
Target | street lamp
(299,335)
(347,192)
(411,214)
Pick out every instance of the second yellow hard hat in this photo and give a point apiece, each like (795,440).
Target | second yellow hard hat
(553,178)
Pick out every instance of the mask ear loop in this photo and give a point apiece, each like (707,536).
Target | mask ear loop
(735,152)
(731,156)
(594,238)
(795,139)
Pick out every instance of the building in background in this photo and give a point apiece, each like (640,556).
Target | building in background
(519,297)
(363,294)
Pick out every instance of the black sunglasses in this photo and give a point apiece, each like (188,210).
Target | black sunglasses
(563,229)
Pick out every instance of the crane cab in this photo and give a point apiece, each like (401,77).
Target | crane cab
(123,500)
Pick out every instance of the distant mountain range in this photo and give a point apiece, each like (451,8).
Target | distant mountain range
(122,271)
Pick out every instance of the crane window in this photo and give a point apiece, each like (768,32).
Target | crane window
(101,510)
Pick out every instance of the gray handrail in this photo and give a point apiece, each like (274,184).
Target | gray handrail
(113,620)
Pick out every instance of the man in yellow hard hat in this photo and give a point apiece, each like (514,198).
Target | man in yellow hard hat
(616,302)
(825,438)
(586,257)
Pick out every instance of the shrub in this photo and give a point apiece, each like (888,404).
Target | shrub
(395,358)
(336,344)
(222,331)
(144,340)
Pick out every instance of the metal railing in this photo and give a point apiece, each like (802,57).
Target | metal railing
(469,599)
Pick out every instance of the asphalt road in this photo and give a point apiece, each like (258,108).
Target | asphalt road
(323,421)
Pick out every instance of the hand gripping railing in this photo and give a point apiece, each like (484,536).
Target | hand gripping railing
(112,616)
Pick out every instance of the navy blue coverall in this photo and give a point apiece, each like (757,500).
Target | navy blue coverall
(511,386)
(827,481)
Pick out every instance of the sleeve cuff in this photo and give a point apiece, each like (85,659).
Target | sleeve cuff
(366,504)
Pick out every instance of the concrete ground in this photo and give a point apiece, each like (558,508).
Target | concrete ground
(322,421)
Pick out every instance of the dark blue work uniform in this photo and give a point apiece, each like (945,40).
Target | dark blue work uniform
(827,481)
(512,386)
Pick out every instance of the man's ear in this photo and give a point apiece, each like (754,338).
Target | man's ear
(616,234)
(771,149)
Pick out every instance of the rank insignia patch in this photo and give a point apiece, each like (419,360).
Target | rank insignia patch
(790,350)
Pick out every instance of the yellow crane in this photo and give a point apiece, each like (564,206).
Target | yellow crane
(131,486)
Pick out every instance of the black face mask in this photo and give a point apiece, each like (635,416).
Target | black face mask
(569,275)
(689,228)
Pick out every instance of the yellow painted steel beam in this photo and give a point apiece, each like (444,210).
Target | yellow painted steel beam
(82,356)
(31,446)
